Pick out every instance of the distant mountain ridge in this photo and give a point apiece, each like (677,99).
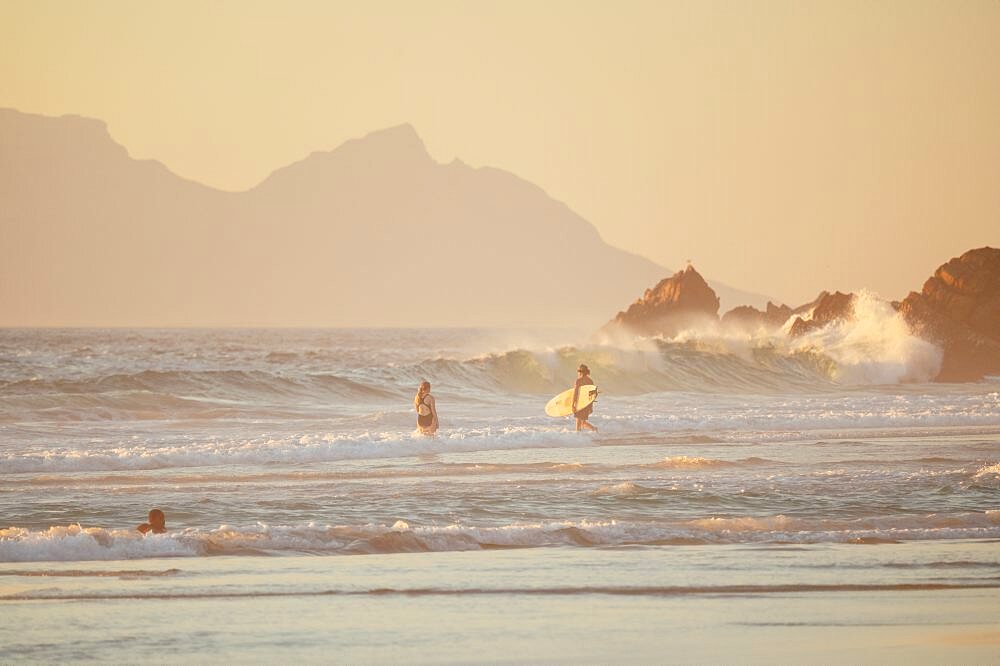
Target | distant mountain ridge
(372,233)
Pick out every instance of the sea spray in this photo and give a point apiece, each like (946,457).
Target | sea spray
(874,346)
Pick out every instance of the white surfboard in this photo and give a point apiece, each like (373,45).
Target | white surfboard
(562,404)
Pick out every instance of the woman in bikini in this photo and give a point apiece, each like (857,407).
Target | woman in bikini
(427,414)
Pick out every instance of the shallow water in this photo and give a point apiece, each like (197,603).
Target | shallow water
(923,602)
(734,491)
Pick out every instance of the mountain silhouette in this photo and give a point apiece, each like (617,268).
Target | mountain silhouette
(372,233)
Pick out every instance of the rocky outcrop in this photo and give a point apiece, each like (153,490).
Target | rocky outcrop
(749,317)
(773,316)
(826,309)
(675,303)
(806,308)
(959,310)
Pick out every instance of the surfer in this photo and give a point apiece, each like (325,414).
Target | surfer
(157,523)
(427,414)
(582,379)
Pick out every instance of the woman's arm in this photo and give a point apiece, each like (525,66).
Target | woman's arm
(434,411)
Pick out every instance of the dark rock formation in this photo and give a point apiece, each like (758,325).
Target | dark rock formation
(811,305)
(674,304)
(829,308)
(959,310)
(747,316)
(744,315)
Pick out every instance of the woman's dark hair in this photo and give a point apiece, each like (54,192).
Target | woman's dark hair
(584,369)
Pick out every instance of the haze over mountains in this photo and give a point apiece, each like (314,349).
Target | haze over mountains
(372,233)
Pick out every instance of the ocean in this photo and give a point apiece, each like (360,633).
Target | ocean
(748,498)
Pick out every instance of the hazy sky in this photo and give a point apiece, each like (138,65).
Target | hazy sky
(784,147)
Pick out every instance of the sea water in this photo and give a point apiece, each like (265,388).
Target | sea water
(746,498)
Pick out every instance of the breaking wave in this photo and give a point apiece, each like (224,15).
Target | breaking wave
(874,348)
(77,543)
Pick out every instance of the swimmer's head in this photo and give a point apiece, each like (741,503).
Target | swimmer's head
(583,369)
(157,519)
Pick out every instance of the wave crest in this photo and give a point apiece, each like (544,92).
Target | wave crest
(73,542)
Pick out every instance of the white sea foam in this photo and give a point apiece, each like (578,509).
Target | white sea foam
(307,448)
(691,449)
(989,470)
(876,346)
(988,476)
(75,543)
(873,346)
(208,378)
(661,416)
(747,423)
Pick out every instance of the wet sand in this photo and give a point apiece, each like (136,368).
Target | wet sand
(914,602)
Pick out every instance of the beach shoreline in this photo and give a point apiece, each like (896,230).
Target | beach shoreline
(544,604)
